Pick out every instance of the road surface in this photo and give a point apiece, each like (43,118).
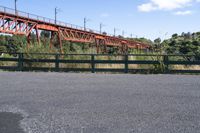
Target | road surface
(99,103)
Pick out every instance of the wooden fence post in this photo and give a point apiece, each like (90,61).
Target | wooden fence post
(166,63)
(93,63)
(57,62)
(126,63)
(20,61)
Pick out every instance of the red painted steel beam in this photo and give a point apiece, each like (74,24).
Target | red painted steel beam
(25,24)
(47,27)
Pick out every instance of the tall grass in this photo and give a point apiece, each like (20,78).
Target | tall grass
(78,49)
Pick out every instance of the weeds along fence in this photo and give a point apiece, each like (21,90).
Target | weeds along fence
(134,63)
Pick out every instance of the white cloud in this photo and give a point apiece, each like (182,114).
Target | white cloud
(182,13)
(104,15)
(146,7)
(167,5)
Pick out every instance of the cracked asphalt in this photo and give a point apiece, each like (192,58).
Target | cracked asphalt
(99,103)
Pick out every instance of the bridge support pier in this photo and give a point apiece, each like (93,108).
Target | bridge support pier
(51,39)
(124,49)
(103,46)
(60,41)
(100,46)
(29,37)
(37,35)
(97,45)
(28,40)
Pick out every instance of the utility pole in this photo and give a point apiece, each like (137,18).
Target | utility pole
(56,12)
(133,35)
(115,30)
(101,26)
(15,7)
(85,23)
(123,33)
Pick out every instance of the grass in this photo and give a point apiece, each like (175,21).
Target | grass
(39,48)
(7,63)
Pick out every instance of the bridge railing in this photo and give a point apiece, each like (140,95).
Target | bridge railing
(44,19)
(163,64)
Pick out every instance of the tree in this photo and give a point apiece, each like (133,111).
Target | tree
(157,45)
(186,43)
(175,36)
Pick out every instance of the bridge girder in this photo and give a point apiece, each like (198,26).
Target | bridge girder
(20,25)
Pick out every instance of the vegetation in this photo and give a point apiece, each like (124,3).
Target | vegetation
(186,43)
(16,43)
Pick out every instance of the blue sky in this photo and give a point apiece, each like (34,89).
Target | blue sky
(142,18)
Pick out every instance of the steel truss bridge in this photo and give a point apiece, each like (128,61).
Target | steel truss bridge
(22,23)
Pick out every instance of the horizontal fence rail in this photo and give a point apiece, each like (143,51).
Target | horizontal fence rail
(100,63)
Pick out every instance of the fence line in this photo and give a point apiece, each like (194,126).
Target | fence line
(154,63)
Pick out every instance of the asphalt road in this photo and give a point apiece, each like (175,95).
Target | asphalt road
(99,103)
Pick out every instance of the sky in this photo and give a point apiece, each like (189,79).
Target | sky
(141,18)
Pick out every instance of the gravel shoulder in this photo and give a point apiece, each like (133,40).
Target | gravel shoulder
(99,103)
(10,123)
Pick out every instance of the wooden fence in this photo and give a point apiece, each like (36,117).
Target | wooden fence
(145,63)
